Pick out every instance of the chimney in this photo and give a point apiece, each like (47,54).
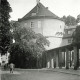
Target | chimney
(38,1)
(46,7)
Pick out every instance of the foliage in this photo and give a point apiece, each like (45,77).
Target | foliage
(78,18)
(69,20)
(64,18)
(28,46)
(21,57)
(76,35)
(5,35)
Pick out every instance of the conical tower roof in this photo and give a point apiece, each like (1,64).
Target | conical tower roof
(40,11)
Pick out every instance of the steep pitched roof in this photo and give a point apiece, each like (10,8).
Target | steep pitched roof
(40,11)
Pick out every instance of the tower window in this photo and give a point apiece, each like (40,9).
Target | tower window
(60,26)
(25,24)
(32,24)
(39,24)
(69,32)
(69,40)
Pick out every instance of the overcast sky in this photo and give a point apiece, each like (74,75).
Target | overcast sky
(58,7)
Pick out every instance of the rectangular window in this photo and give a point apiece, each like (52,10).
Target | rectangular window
(39,24)
(69,32)
(69,40)
(32,24)
(25,24)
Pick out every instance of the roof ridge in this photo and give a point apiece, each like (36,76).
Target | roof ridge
(39,11)
(48,9)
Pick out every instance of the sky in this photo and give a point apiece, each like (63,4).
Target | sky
(59,7)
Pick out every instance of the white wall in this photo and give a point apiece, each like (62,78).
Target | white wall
(49,27)
(27,23)
(54,43)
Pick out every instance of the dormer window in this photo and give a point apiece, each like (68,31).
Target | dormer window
(33,14)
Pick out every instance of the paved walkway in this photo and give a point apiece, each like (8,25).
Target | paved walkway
(8,72)
(66,71)
(38,74)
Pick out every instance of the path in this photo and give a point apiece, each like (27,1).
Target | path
(27,74)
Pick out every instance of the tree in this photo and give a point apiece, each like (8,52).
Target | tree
(69,20)
(76,42)
(5,34)
(21,57)
(64,18)
(78,18)
(76,35)
(28,44)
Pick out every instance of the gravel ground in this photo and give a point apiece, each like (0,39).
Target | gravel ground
(37,75)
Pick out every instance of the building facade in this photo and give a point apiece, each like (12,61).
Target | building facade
(67,54)
(42,20)
(60,53)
